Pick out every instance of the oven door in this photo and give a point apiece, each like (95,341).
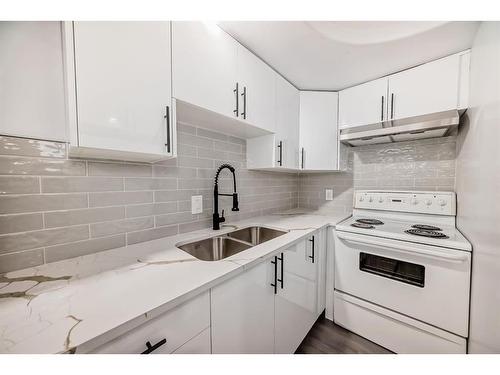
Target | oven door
(424,282)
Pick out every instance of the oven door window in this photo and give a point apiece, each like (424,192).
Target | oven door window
(405,272)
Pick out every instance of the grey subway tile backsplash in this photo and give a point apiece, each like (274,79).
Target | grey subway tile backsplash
(52,207)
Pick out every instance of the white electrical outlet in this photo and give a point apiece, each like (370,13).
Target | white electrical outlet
(329,194)
(196,204)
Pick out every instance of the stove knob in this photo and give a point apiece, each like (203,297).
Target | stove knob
(381,200)
(428,202)
(414,201)
(370,199)
(442,202)
(361,199)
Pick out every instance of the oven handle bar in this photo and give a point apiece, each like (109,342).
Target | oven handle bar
(403,248)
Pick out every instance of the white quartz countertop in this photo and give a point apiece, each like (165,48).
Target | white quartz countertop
(83,302)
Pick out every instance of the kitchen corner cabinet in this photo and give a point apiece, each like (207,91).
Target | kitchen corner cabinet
(119,96)
(271,307)
(437,86)
(318,133)
(279,151)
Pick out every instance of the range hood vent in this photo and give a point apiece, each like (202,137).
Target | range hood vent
(419,127)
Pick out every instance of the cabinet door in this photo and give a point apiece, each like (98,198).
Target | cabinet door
(204,66)
(287,123)
(363,104)
(243,312)
(32,97)
(123,85)
(428,88)
(319,130)
(197,345)
(256,91)
(295,303)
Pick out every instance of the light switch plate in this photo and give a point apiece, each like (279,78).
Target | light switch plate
(329,194)
(196,204)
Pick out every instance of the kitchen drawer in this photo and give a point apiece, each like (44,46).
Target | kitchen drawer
(177,326)
(197,345)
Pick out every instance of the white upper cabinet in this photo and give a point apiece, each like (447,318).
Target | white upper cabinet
(32,92)
(319,148)
(287,124)
(428,88)
(363,104)
(257,88)
(437,86)
(123,90)
(279,151)
(204,66)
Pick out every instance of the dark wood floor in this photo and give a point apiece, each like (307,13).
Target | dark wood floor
(325,337)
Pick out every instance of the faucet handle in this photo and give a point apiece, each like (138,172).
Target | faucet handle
(222,218)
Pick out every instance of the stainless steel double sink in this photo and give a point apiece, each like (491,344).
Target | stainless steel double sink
(227,244)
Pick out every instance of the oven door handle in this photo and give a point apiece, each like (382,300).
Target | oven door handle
(403,248)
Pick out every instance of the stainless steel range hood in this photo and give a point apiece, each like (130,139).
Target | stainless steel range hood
(426,126)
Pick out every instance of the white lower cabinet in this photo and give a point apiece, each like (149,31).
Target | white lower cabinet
(271,307)
(168,332)
(197,345)
(243,312)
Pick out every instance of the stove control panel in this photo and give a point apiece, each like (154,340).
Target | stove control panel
(428,202)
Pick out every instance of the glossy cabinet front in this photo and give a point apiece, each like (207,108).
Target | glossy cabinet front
(122,77)
(243,312)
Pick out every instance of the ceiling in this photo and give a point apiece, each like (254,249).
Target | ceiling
(324,55)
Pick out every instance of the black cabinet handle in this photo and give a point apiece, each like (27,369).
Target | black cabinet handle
(382,110)
(237,96)
(244,94)
(302,157)
(152,348)
(280,146)
(275,285)
(312,249)
(281,259)
(167,116)
(392,106)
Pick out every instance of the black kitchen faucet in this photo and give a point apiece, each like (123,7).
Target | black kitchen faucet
(216,219)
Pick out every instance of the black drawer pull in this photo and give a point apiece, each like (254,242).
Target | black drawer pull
(152,348)
(312,249)
(281,259)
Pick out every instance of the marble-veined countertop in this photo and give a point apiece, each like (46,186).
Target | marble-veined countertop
(83,302)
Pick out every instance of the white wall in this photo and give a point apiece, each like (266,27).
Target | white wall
(478,188)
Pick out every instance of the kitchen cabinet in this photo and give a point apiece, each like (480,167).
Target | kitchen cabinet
(204,61)
(243,312)
(363,104)
(32,90)
(120,103)
(437,86)
(169,332)
(318,133)
(271,307)
(297,297)
(279,151)
(257,88)
(428,88)
(213,72)
(197,345)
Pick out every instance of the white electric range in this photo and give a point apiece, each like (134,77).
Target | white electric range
(402,272)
